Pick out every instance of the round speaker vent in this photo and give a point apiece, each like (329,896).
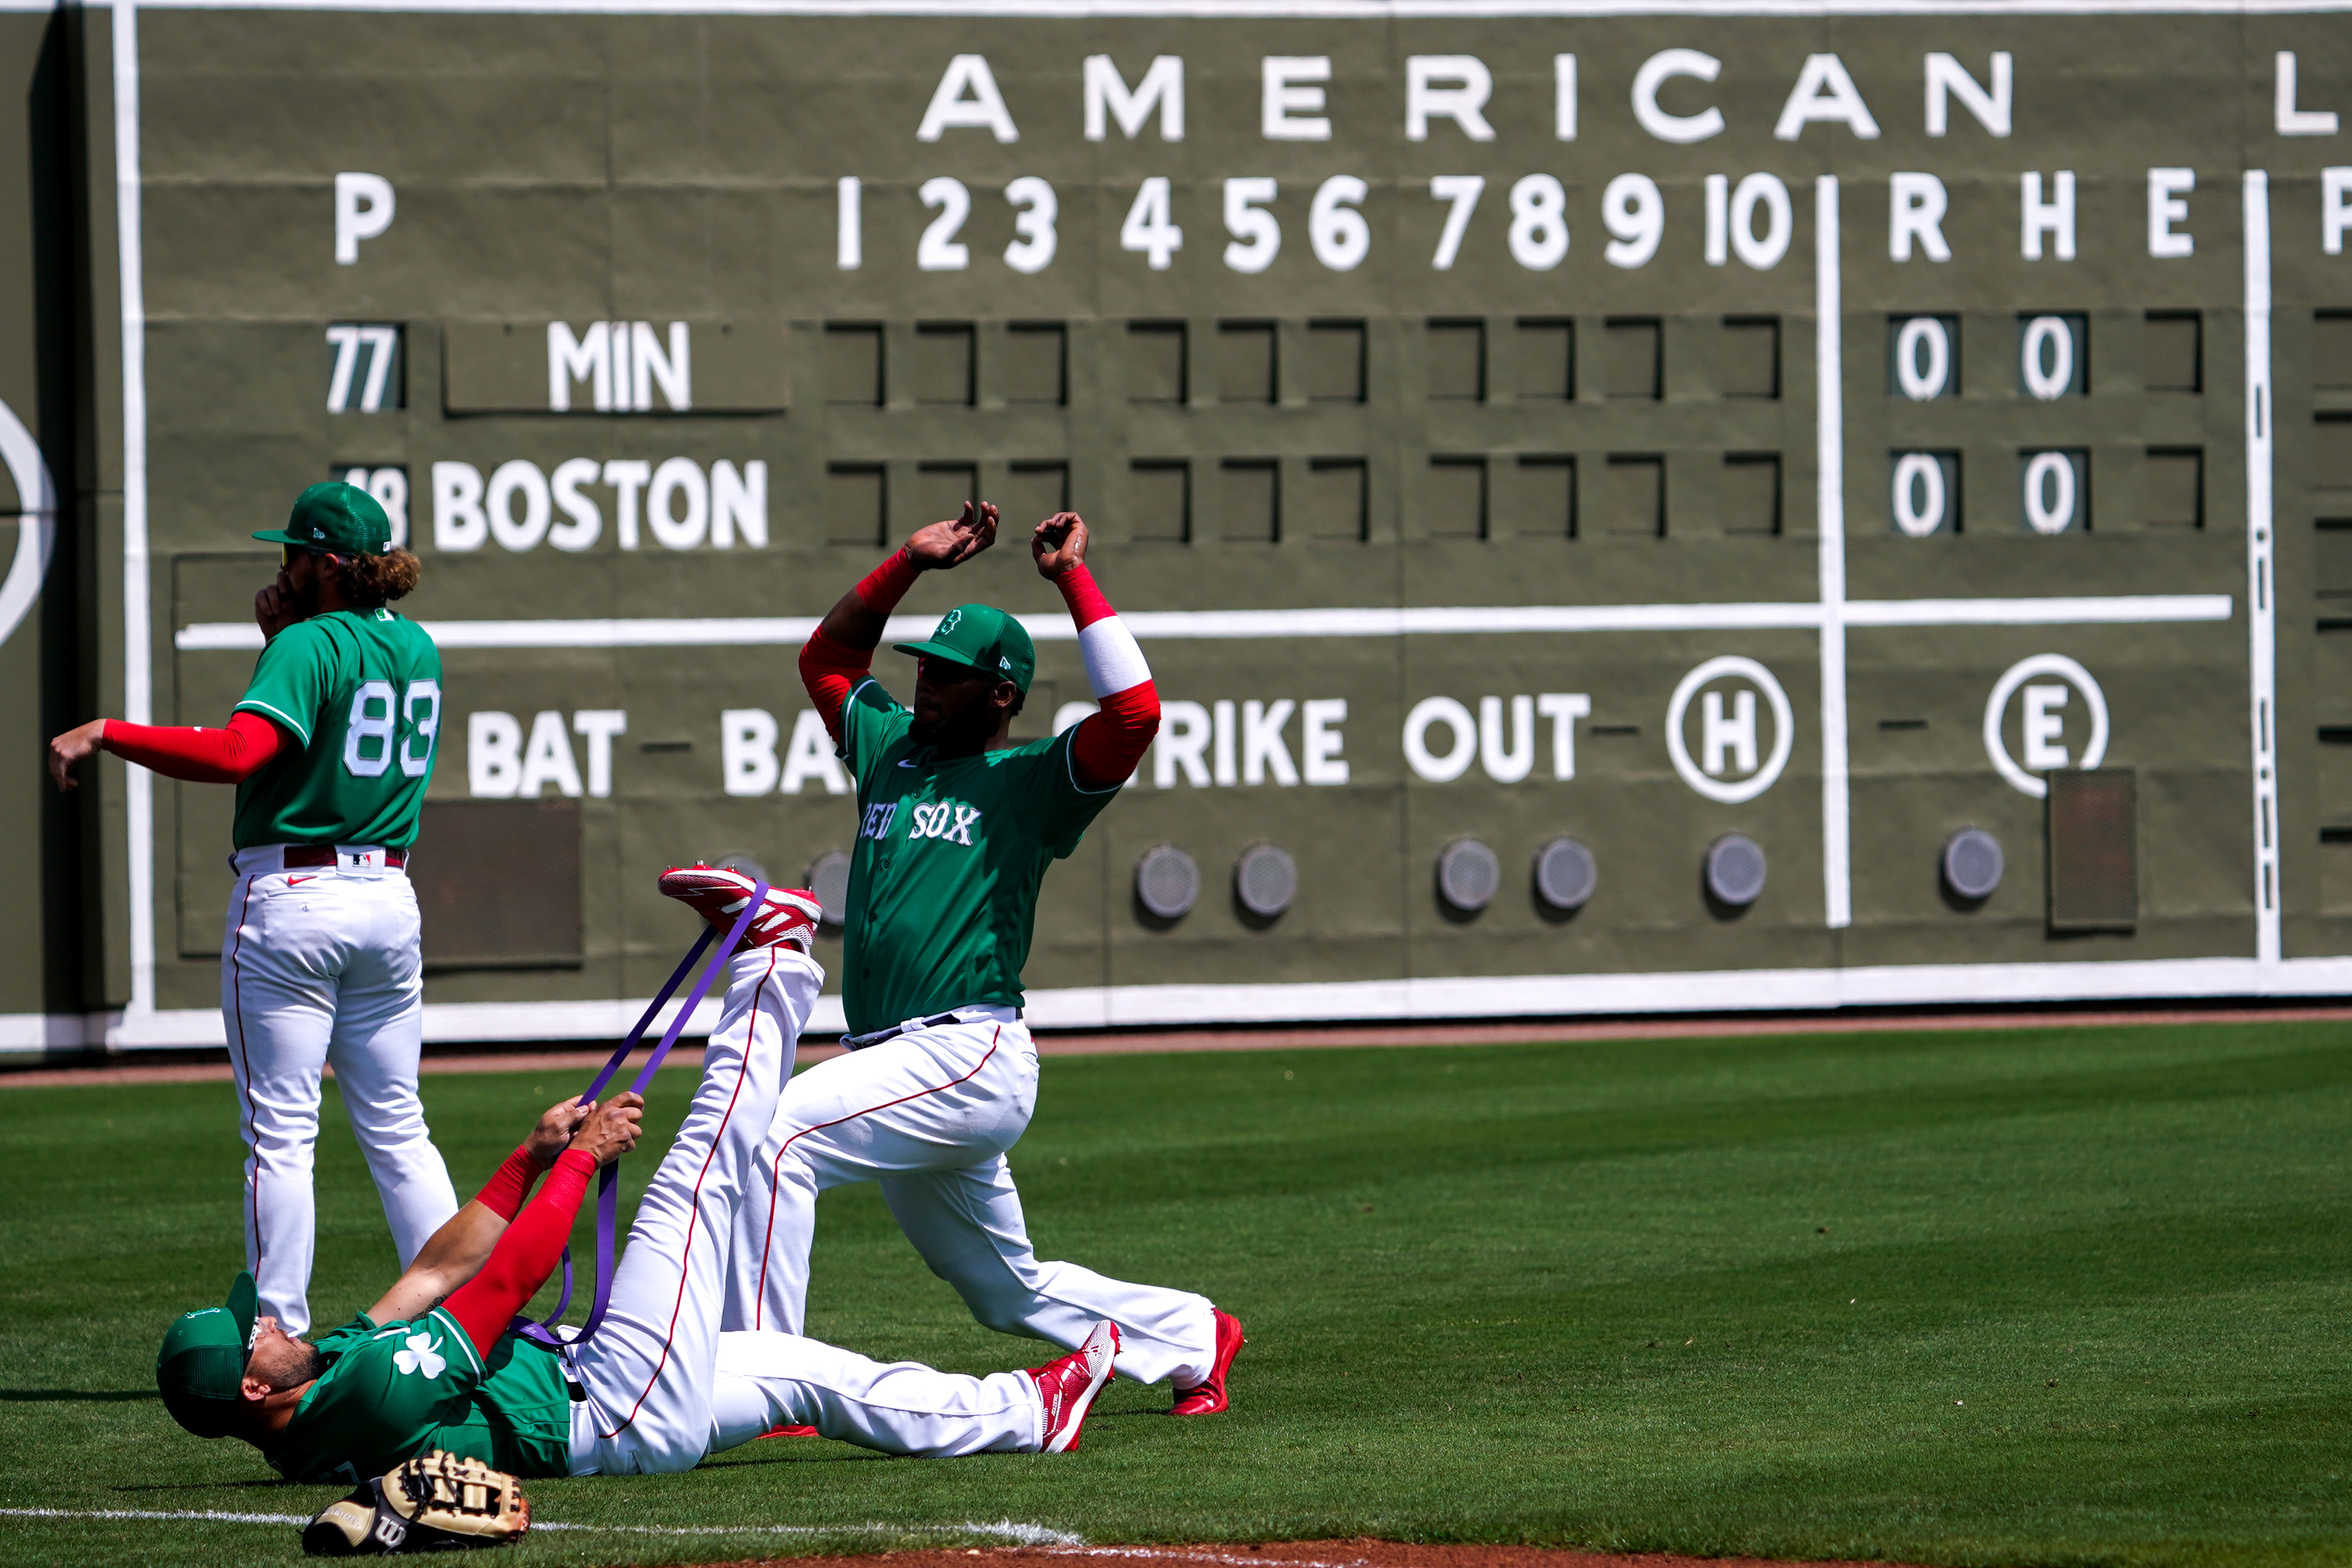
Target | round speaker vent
(1565,874)
(1972,863)
(828,878)
(1735,870)
(1167,882)
(1265,878)
(1468,874)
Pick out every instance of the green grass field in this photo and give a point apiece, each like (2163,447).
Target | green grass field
(2069,1296)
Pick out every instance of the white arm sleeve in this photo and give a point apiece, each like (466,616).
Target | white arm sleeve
(1114,661)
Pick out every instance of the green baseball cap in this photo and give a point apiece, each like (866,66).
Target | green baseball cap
(201,1368)
(335,516)
(985,637)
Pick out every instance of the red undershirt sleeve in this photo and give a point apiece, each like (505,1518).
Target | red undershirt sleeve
(831,668)
(504,1192)
(1111,741)
(195,753)
(525,1256)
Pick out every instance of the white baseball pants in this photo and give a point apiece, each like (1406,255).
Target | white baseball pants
(929,1115)
(663,1385)
(322,965)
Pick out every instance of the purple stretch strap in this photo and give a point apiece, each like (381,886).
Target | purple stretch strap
(608,1179)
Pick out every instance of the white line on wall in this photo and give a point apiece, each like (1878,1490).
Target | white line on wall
(138,611)
(1829,454)
(1188,625)
(2262,609)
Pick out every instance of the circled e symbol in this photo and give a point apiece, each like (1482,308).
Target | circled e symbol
(1728,746)
(2044,727)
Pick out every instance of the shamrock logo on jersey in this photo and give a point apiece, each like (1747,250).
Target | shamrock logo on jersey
(423,1350)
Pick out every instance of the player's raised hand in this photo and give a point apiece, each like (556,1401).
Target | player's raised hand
(67,751)
(611,1129)
(555,1130)
(945,545)
(1058,543)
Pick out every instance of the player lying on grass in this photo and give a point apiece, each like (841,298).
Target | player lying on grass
(437,1363)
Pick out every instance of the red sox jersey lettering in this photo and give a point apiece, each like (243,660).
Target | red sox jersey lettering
(947,820)
(948,857)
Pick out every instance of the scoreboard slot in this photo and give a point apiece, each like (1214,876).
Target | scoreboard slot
(1457,358)
(1159,364)
(1540,499)
(853,365)
(1033,490)
(1544,358)
(945,372)
(1249,362)
(1160,500)
(1454,503)
(1336,357)
(1633,499)
(1037,364)
(1635,359)
(857,505)
(1249,503)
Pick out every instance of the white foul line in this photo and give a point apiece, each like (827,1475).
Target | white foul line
(1200,625)
(1179,1554)
(1003,1530)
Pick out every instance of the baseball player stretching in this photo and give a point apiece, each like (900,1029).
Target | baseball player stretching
(436,1363)
(330,749)
(957,826)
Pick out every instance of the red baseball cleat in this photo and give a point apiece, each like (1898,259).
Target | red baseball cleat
(1069,1386)
(1209,1398)
(788,1432)
(787,917)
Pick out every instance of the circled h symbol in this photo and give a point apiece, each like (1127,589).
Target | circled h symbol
(2016,674)
(1784,729)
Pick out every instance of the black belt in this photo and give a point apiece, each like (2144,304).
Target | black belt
(880,1037)
(303,855)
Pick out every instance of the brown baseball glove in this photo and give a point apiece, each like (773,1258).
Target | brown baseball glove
(438,1501)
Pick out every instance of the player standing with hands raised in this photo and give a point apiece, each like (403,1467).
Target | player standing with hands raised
(330,749)
(956,828)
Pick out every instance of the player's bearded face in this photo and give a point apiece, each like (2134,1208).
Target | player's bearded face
(281,1361)
(952,707)
(297,580)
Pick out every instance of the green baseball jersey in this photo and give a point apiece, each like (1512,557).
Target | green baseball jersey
(391,1390)
(943,881)
(359,692)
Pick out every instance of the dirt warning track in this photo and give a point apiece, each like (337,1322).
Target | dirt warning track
(1290,1553)
(204,1066)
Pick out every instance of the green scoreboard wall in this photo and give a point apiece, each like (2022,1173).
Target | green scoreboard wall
(1642,512)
